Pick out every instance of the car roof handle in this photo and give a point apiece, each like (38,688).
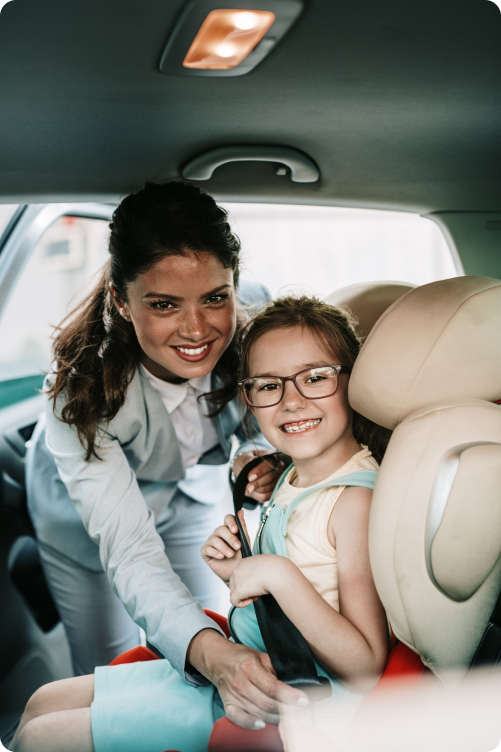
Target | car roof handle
(302,168)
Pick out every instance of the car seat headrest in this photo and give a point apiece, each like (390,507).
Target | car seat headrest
(368,301)
(438,342)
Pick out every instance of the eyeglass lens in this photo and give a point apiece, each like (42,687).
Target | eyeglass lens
(265,391)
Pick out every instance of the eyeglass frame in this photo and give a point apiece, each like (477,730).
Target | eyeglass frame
(338,368)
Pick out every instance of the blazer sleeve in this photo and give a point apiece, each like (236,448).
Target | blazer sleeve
(107,497)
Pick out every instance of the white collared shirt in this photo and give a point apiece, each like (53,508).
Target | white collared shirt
(196,434)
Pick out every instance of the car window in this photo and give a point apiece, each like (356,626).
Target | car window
(321,249)
(58,273)
(6,213)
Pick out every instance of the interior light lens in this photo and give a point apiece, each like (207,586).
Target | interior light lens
(226,37)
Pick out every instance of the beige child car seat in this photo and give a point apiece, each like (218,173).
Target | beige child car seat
(430,371)
(368,301)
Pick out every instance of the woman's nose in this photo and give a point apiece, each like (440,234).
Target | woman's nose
(292,399)
(193,325)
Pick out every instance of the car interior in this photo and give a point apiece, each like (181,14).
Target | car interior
(336,106)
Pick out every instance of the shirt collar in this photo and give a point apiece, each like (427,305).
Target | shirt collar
(174,394)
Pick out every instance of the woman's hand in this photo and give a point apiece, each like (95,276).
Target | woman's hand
(222,551)
(263,478)
(256,576)
(245,679)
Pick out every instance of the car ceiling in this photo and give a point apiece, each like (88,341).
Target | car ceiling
(397,101)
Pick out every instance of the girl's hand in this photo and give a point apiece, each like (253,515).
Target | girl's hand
(263,478)
(254,577)
(222,549)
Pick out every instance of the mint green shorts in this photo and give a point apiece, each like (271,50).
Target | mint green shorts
(148,707)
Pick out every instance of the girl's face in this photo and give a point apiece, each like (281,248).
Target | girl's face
(183,310)
(302,428)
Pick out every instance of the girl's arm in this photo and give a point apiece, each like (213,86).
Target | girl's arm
(352,644)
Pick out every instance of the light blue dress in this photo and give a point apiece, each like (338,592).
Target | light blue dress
(148,707)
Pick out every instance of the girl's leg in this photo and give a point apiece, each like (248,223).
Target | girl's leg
(64,731)
(97,625)
(56,698)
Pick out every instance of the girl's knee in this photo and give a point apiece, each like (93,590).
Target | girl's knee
(42,701)
(30,738)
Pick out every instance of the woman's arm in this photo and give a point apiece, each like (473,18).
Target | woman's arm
(352,644)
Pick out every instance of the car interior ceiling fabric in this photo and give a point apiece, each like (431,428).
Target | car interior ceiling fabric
(430,371)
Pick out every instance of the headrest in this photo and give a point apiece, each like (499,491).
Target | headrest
(439,342)
(368,301)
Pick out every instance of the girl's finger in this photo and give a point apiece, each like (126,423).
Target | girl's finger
(226,535)
(230,523)
(220,545)
(209,552)
(241,517)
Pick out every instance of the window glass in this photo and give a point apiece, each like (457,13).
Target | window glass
(6,212)
(59,272)
(321,249)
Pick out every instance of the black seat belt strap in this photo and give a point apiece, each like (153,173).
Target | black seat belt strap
(289,652)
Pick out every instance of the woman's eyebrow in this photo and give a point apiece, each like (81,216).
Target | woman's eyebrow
(177,298)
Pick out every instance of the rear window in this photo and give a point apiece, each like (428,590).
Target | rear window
(320,249)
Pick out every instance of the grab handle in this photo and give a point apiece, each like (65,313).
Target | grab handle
(302,168)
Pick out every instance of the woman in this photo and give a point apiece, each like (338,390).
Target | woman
(125,473)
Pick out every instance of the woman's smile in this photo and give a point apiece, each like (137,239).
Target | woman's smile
(194,353)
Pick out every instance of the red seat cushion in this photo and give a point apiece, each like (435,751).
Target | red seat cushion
(226,737)
(135,655)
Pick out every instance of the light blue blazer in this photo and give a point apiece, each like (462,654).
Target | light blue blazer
(102,513)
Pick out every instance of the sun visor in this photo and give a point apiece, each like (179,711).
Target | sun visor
(438,342)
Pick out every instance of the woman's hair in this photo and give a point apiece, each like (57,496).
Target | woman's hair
(96,351)
(335,329)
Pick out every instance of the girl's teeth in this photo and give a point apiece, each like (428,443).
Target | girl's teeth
(192,350)
(298,427)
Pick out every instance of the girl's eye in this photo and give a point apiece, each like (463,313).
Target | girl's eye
(314,379)
(269,387)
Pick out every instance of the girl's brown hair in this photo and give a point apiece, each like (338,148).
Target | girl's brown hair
(335,329)
(95,350)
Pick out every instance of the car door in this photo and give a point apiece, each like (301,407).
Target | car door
(49,254)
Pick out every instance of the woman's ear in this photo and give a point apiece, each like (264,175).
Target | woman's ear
(121,306)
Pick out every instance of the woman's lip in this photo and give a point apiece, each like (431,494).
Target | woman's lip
(194,358)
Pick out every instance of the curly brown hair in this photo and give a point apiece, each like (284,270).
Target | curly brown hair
(335,329)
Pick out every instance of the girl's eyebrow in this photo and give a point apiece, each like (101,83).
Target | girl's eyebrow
(177,298)
(304,367)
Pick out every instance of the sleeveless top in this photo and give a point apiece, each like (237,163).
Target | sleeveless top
(271,539)
(306,538)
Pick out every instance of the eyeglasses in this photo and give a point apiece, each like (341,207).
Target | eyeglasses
(312,383)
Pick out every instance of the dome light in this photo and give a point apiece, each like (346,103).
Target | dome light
(226,37)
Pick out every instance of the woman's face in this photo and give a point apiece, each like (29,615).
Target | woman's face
(183,310)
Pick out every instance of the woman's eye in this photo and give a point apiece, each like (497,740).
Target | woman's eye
(162,305)
(217,298)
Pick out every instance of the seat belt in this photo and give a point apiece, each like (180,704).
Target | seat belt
(289,652)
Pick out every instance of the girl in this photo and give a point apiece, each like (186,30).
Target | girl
(296,360)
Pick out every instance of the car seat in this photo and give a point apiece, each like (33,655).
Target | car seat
(430,372)
(368,301)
